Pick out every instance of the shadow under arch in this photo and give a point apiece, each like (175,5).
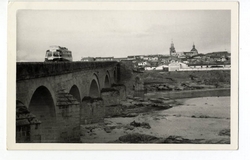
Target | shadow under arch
(107,82)
(75,92)
(115,74)
(94,89)
(42,106)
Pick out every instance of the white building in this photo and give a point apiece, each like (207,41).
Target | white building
(104,58)
(145,58)
(153,58)
(161,67)
(149,68)
(143,63)
(177,66)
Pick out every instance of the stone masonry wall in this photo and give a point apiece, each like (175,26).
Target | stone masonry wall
(125,74)
(110,96)
(26,123)
(92,110)
(122,91)
(132,79)
(68,118)
(68,114)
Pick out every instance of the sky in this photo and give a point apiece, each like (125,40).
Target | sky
(99,33)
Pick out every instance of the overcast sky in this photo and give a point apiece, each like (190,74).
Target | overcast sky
(120,33)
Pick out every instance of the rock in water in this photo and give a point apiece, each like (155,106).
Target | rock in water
(224,132)
(179,139)
(138,138)
(138,124)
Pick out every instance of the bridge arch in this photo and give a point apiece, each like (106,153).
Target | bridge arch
(42,106)
(94,89)
(115,74)
(20,105)
(74,90)
(107,81)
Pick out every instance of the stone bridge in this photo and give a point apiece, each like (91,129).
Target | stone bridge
(53,99)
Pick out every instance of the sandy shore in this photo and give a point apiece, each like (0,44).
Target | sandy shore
(196,120)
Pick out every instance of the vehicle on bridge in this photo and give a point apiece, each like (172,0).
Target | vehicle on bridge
(58,53)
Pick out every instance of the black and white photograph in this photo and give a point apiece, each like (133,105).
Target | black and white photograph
(126,76)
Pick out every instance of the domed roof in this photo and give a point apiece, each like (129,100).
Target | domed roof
(194,49)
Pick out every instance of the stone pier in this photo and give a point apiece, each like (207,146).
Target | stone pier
(92,110)
(68,117)
(122,91)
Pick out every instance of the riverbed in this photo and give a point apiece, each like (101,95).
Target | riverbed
(205,119)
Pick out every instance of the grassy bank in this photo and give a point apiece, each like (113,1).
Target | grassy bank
(183,80)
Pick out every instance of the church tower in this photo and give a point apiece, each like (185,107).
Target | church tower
(172,49)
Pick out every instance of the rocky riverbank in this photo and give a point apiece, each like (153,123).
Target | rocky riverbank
(162,120)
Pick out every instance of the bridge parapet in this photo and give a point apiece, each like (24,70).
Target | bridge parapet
(30,70)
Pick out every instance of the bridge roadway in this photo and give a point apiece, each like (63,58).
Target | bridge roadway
(53,92)
(29,70)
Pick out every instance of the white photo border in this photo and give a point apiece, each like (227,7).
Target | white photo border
(13,7)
